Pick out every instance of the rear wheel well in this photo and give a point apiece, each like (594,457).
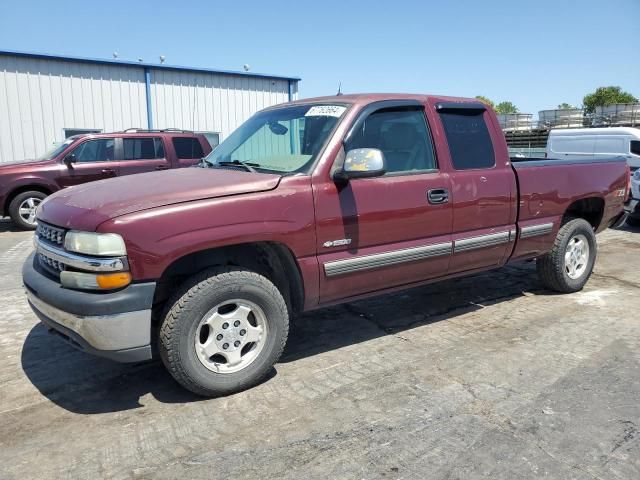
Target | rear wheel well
(24,188)
(591,209)
(270,259)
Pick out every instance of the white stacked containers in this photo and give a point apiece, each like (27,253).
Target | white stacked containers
(511,122)
(561,118)
(618,114)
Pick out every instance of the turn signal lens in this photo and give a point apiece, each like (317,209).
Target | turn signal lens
(109,281)
(90,281)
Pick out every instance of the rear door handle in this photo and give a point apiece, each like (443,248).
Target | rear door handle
(162,167)
(109,171)
(436,196)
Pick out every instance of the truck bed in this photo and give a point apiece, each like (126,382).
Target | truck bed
(549,187)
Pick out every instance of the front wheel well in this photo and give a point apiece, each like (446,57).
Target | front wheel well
(24,188)
(270,259)
(590,209)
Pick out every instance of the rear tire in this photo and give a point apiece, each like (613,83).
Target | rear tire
(224,331)
(568,266)
(22,209)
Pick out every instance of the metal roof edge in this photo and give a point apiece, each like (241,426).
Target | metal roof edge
(151,66)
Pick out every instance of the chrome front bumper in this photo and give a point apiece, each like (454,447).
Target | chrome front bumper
(120,331)
(114,325)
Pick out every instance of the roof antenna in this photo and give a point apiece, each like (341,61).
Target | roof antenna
(339,89)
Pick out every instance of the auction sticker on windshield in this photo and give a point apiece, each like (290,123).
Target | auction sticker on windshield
(325,111)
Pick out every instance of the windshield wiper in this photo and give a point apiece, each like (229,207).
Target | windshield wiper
(247,165)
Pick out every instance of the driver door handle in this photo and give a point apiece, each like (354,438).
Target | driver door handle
(436,196)
(109,171)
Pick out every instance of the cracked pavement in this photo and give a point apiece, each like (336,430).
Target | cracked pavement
(483,377)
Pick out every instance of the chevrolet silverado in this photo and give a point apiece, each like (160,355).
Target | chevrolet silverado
(307,204)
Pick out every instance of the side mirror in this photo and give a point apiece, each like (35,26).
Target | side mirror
(361,163)
(69,160)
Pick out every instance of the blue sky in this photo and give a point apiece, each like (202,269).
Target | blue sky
(535,54)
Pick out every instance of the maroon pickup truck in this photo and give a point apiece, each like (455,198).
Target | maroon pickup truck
(307,204)
(85,158)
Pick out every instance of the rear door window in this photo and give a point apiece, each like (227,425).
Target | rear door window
(187,147)
(147,148)
(98,150)
(469,140)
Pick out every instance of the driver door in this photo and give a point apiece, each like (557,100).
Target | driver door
(382,232)
(92,160)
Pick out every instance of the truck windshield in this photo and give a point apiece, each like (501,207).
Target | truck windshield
(57,148)
(282,140)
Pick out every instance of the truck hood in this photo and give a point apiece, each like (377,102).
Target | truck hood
(84,207)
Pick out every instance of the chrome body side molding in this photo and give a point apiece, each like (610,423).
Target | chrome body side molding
(481,241)
(378,260)
(535,230)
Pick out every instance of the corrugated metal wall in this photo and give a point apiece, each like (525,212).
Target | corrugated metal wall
(40,98)
(211,102)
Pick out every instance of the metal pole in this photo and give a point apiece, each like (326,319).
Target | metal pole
(147,84)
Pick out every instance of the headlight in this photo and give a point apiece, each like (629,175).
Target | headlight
(98,244)
(636,174)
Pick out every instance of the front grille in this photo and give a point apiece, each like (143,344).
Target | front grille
(49,233)
(50,264)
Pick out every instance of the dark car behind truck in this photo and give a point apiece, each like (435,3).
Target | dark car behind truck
(307,204)
(86,158)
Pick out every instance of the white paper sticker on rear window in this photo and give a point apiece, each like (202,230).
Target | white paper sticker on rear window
(325,111)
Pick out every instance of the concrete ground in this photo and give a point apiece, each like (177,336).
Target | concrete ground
(485,377)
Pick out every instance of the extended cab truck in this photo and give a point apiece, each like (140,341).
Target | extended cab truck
(307,204)
(85,158)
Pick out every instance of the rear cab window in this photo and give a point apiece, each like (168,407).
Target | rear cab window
(634,147)
(469,140)
(187,148)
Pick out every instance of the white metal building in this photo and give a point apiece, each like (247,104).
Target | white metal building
(46,98)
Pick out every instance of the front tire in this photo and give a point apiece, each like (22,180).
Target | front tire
(568,266)
(22,209)
(224,331)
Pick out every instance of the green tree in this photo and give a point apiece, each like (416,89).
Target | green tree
(606,96)
(506,107)
(565,106)
(486,100)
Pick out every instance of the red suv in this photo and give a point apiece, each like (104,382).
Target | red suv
(85,158)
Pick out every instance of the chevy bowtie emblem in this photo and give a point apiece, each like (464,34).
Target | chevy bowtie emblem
(336,243)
